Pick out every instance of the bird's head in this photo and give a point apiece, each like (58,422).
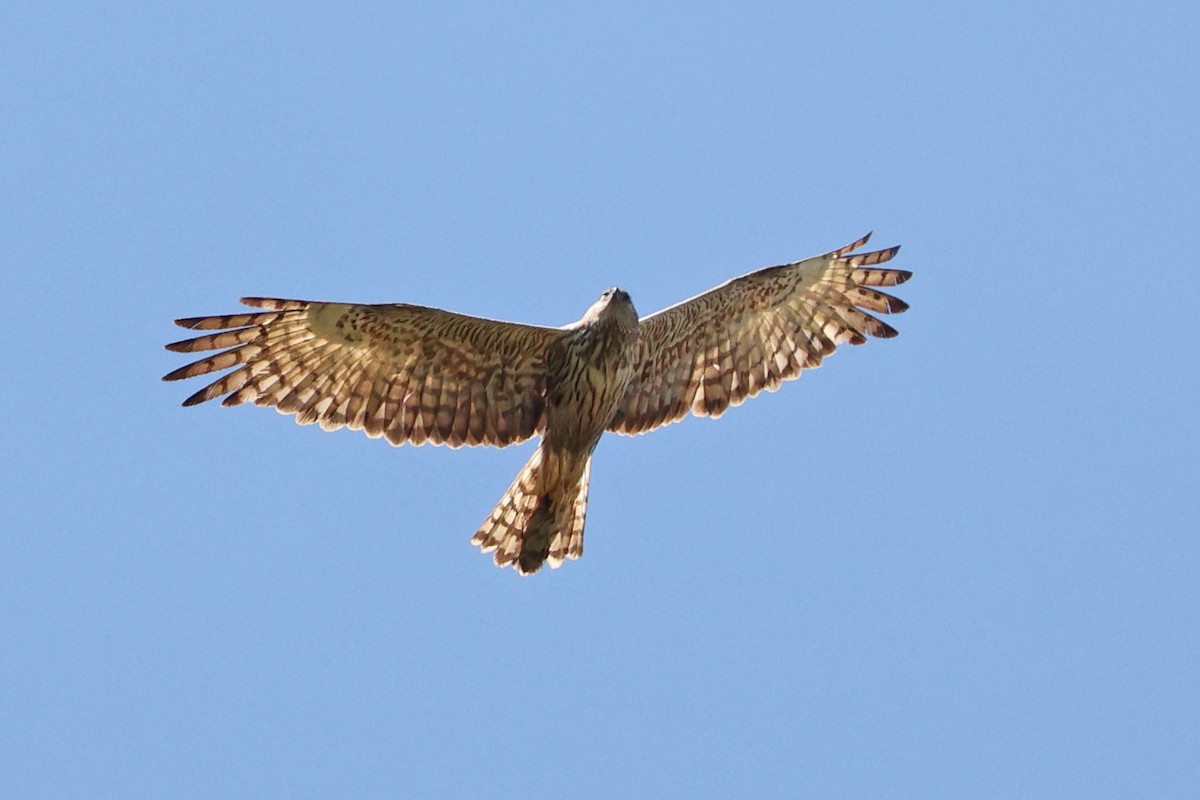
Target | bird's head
(615,308)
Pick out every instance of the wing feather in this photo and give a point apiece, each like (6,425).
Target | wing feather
(754,332)
(410,373)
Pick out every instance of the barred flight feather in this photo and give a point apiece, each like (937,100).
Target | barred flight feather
(774,323)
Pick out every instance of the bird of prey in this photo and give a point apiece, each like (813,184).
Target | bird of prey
(417,374)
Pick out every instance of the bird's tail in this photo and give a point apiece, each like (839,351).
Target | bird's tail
(540,518)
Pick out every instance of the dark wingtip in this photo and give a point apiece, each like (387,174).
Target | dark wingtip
(275,303)
(886,254)
(195,399)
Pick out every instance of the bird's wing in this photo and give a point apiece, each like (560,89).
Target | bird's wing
(409,373)
(754,332)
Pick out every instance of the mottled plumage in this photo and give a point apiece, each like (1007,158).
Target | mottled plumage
(416,374)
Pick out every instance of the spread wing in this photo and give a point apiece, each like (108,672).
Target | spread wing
(754,332)
(409,373)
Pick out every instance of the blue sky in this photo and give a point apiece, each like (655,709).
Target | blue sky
(958,563)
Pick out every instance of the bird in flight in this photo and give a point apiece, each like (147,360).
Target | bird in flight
(417,374)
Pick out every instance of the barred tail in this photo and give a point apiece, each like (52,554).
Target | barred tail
(541,516)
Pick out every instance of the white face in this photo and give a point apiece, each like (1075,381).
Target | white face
(615,305)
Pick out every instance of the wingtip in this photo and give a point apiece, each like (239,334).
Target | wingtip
(274,303)
(850,248)
(888,253)
(196,399)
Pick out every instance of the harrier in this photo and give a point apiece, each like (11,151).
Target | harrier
(416,374)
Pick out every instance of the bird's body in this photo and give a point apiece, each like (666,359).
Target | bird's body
(416,374)
(541,515)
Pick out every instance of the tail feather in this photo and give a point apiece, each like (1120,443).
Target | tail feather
(540,518)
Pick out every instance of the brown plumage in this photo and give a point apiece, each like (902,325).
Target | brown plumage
(416,374)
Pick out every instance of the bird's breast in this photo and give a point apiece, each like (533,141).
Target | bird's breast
(584,388)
